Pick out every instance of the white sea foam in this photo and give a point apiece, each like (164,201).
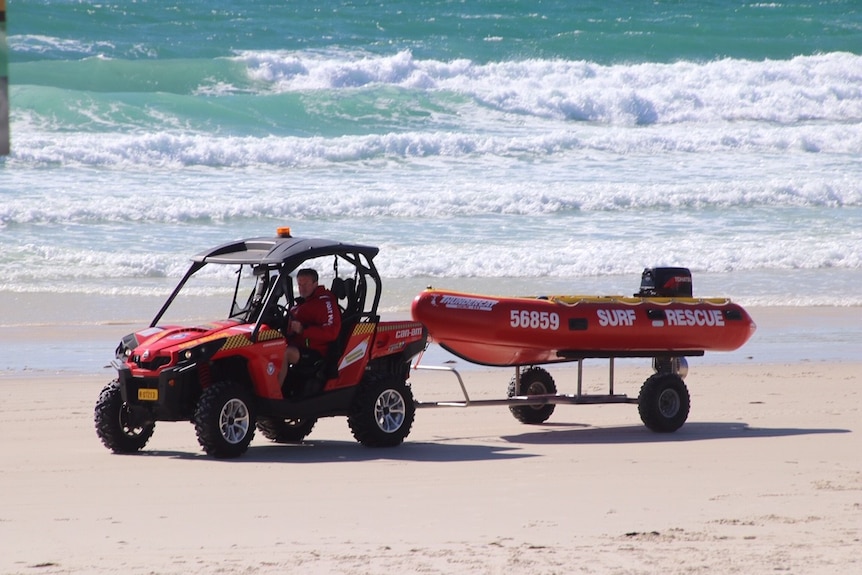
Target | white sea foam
(171,151)
(471,189)
(550,173)
(40,44)
(532,108)
(806,88)
(750,245)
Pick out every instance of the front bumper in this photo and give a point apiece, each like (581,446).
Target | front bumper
(170,395)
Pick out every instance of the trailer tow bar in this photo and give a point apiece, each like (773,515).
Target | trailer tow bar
(580,398)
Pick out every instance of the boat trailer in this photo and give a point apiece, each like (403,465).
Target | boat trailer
(663,401)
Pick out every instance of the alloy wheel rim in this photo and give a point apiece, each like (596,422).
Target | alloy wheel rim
(389,411)
(234,421)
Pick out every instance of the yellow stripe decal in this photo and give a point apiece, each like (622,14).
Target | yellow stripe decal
(399,326)
(236,341)
(363,328)
(268,335)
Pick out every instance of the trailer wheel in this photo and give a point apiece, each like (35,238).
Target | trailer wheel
(533,381)
(121,427)
(224,420)
(285,430)
(382,411)
(664,402)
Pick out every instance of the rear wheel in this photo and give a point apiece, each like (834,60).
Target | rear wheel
(664,402)
(224,420)
(121,427)
(285,430)
(382,411)
(533,381)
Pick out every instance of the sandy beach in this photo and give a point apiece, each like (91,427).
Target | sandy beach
(765,477)
(492,148)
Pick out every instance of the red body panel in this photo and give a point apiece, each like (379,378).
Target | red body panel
(506,331)
(364,345)
(264,358)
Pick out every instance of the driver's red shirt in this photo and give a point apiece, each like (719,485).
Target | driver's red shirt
(320,319)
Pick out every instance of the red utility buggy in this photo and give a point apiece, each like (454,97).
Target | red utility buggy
(222,375)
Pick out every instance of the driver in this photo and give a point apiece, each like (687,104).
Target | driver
(312,324)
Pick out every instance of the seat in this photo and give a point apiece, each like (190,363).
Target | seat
(338,289)
(343,289)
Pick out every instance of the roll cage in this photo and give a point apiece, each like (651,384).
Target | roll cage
(273,260)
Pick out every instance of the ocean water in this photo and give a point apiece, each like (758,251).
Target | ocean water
(496,146)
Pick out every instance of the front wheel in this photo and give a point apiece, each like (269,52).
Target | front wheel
(382,411)
(121,427)
(533,381)
(224,420)
(664,402)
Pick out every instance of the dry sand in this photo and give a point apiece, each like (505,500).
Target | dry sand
(765,477)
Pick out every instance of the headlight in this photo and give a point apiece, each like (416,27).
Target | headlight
(127,344)
(192,353)
(199,352)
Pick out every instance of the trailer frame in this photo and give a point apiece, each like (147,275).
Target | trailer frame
(663,401)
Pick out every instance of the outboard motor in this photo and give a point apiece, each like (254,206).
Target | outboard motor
(665,282)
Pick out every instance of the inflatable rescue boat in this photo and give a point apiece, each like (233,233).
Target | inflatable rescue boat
(661,320)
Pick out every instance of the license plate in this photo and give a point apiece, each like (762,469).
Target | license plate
(145,394)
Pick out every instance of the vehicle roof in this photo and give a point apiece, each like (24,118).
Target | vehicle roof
(279,250)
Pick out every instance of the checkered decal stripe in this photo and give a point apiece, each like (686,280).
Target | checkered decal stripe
(399,326)
(268,335)
(363,328)
(236,341)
